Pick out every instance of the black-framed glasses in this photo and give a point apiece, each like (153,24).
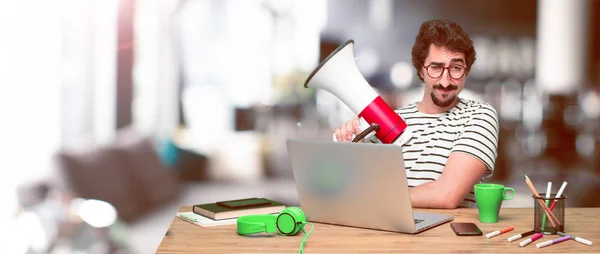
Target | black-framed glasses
(436,70)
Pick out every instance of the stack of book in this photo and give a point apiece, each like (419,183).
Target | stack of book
(227,212)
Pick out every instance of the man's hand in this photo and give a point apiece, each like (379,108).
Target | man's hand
(345,132)
(461,172)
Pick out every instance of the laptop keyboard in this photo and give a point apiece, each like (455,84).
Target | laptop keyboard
(417,221)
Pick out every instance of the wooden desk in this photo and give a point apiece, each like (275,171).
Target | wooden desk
(582,222)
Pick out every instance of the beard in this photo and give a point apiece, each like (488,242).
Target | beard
(441,102)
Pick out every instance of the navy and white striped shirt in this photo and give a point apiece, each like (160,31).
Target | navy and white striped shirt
(470,127)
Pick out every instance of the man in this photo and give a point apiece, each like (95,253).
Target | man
(454,144)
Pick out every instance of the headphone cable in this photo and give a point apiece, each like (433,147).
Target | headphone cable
(301,250)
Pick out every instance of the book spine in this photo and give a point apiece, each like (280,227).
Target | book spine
(200,211)
(238,213)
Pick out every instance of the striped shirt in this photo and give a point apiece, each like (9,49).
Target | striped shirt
(470,127)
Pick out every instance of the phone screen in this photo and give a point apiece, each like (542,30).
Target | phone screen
(465,228)
(243,203)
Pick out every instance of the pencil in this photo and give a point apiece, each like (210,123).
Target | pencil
(551,217)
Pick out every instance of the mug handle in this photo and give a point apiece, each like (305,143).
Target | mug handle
(504,193)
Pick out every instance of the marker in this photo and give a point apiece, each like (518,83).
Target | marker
(550,242)
(519,236)
(578,239)
(558,194)
(187,217)
(530,240)
(501,231)
(551,216)
(548,190)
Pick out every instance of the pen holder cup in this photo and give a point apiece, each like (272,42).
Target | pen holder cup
(541,222)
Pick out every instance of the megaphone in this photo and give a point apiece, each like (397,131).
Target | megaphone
(339,75)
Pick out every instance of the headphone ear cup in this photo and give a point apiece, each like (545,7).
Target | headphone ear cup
(299,214)
(290,221)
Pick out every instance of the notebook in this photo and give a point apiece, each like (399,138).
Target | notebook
(235,208)
(202,221)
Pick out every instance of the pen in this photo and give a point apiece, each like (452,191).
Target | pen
(530,240)
(578,239)
(558,194)
(518,236)
(551,242)
(501,231)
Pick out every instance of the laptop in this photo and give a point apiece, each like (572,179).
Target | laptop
(360,185)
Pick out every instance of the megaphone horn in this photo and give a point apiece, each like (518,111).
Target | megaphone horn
(339,75)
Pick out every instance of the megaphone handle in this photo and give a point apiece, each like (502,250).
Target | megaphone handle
(366,132)
(335,139)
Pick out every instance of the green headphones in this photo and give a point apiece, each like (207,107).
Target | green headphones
(288,222)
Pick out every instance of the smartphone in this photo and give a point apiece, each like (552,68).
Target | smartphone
(465,229)
(245,203)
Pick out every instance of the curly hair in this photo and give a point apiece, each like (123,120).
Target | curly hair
(444,33)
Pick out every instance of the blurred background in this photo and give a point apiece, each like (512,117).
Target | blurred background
(117,112)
